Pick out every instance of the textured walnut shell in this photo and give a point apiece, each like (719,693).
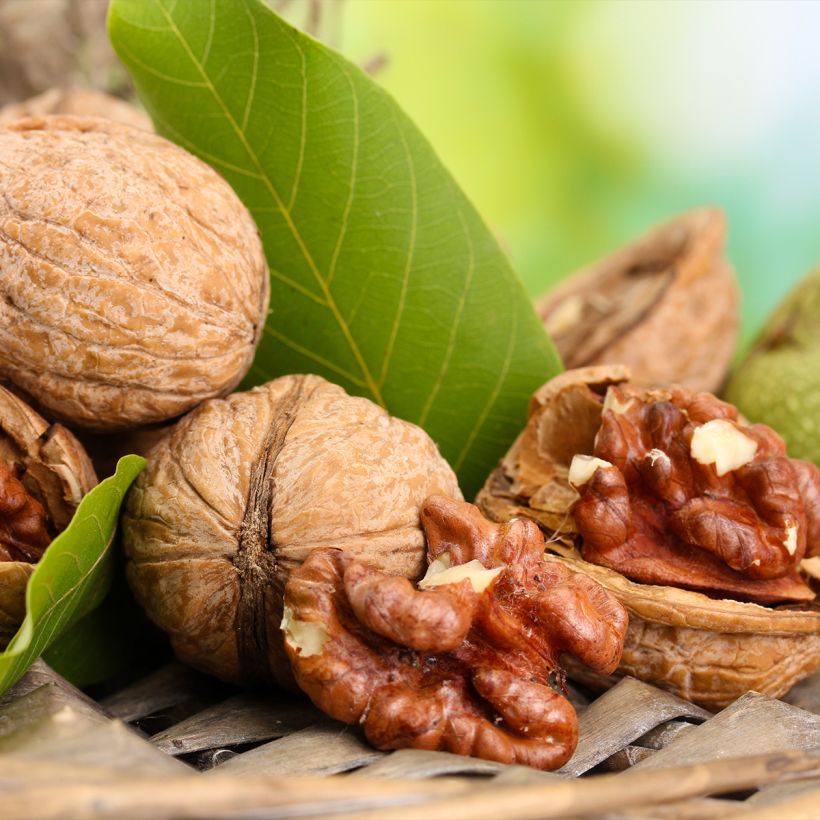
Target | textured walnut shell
(55,470)
(666,305)
(78,102)
(243,488)
(133,280)
(706,650)
(531,479)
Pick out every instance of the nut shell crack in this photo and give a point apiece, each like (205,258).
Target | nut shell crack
(256,556)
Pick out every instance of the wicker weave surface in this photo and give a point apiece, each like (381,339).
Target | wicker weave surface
(176,744)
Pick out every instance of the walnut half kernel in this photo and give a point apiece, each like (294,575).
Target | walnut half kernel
(44,474)
(464,662)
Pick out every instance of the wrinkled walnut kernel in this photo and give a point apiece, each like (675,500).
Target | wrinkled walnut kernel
(23,533)
(44,473)
(451,667)
(695,499)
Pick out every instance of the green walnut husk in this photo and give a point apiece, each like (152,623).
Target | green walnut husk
(779,381)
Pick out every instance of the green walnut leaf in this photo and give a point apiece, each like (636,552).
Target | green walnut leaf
(73,576)
(384,278)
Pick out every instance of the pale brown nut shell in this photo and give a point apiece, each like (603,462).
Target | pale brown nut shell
(706,650)
(77,102)
(531,479)
(666,305)
(133,280)
(240,491)
(55,470)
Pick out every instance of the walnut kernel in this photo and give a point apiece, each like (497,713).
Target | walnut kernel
(47,471)
(712,645)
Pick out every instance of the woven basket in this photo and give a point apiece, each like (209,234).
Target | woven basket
(176,744)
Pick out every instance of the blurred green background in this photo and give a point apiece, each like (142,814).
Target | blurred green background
(575,125)
(572,124)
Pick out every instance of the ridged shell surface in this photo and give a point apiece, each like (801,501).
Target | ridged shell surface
(133,283)
(243,488)
(707,650)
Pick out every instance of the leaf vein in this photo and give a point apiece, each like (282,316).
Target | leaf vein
(368,382)
(307,352)
(411,248)
(451,340)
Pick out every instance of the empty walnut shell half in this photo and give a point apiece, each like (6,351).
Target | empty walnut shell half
(666,305)
(44,473)
(703,647)
(133,280)
(242,489)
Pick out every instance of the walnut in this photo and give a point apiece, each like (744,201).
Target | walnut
(680,495)
(666,306)
(241,490)
(160,264)
(776,382)
(78,102)
(23,532)
(44,473)
(464,662)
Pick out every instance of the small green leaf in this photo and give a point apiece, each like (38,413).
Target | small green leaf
(384,278)
(116,641)
(73,576)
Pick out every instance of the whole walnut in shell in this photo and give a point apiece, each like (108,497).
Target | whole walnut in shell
(666,305)
(133,280)
(44,473)
(242,489)
(700,521)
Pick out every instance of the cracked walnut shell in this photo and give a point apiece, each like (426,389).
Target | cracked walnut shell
(44,473)
(707,650)
(242,489)
(712,645)
(133,280)
(666,305)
